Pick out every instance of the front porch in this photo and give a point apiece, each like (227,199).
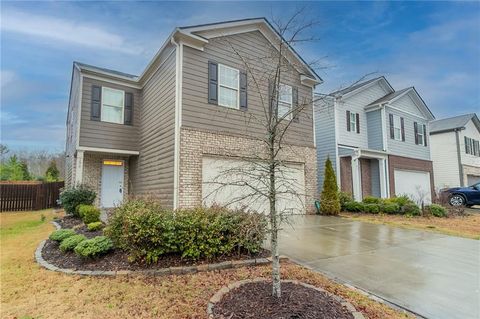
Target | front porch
(364,173)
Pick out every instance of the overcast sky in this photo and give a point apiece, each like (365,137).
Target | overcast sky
(434,46)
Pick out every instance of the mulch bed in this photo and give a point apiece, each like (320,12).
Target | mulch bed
(255,301)
(118,259)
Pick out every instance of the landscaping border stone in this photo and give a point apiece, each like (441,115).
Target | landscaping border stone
(217,297)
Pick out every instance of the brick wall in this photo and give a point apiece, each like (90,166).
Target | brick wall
(92,172)
(366,173)
(346,181)
(196,144)
(400,162)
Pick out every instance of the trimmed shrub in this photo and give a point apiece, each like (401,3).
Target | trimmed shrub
(436,210)
(94,226)
(371,208)
(355,207)
(372,200)
(94,247)
(411,209)
(72,197)
(71,242)
(329,201)
(390,208)
(61,234)
(400,200)
(147,231)
(89,213)
(344,199)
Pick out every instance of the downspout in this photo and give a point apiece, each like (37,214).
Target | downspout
(459,156)
(178,120)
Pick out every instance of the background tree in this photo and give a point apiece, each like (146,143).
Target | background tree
(52,173)
(329,200)
(14,170)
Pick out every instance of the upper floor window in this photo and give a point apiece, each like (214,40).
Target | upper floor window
(353,122)
(420,132)
(228,86)
(472,146)
(420,137)
(113,103)
(285,101)
(397,128)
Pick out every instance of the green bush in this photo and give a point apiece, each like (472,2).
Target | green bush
(437,210)
(71,242)
(329,201)
(390,208)
(355,207)
(72,197)
(371,208)
(400,200)
(411,209)
(61,234)
(372,200)
(147,231)
(89,213)
(94,247)
(344,199)
(94,226)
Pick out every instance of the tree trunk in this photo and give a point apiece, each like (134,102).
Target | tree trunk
(276,291)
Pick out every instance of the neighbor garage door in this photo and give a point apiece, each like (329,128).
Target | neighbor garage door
(237,183)
(414,184)
(472,179)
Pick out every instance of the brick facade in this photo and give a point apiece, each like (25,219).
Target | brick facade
(407,163)
(196,144)
(366,177)
(92,172)
(346,181)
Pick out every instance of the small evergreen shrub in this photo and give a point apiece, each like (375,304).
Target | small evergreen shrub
(68,244)
(329,201)
(372,200)
(70,198)
(371,208)
(94,247)
(94,226)
(344,199)
(400,200)
(61,234)
(355,207)
(89,213)
(436,210)
(411,209)
(390,208)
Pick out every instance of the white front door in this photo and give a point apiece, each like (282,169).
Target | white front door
(112,183)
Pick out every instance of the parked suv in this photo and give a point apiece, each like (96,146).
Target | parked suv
(464,196)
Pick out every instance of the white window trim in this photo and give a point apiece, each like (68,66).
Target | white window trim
(399,128)
(229,87)
(353,124)
(289,116)
(420,135)
(123,105)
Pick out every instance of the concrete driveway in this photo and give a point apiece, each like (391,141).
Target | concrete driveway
(433,275)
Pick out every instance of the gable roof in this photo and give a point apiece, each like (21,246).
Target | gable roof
(391,96)
(453,123)
(360,86)
(88,67)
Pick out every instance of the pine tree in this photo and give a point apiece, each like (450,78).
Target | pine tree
(329,201)
(52,173)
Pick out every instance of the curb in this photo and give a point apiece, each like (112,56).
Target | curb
(217,297)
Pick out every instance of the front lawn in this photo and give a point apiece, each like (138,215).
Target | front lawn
(29,291)
(467,226)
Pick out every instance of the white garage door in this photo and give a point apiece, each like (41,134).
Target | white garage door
(236,183)
(414,184)
(472,179)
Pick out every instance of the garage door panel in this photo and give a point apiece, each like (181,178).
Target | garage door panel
(472,179)
(414,184)
(236,183)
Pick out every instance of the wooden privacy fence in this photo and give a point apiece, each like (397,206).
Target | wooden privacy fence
(19,196)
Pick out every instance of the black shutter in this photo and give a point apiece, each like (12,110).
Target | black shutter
(424,135)
(243,91)
(415,131)
(212,82)
(467,145)
(128,112)
(402,126)
(295,113)
(358,122)
(95,112)
(392,132)
(348,121)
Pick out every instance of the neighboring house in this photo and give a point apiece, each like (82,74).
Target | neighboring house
(165,132)
(456,150)
(377,139)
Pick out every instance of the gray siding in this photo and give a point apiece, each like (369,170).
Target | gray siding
(72,124)
(408,148)
(342,151)
(197,113)
(325,138)
(375,134)
(108,135)
(375,177)
(151,173)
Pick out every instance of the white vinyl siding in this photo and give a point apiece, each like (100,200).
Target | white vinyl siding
(285,101)
(472,133)
(445,160)
(228,86)
(113,102)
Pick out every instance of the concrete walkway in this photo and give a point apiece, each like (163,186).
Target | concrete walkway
(433,275)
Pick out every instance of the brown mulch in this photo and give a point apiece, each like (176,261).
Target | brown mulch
(69,221)
(255,301)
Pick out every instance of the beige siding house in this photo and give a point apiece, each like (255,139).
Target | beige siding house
(164,132)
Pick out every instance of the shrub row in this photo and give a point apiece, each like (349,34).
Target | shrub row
(147,231)
(83,247)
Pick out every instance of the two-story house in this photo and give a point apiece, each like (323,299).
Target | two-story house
(193,109)
(456,150)
(377,139)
